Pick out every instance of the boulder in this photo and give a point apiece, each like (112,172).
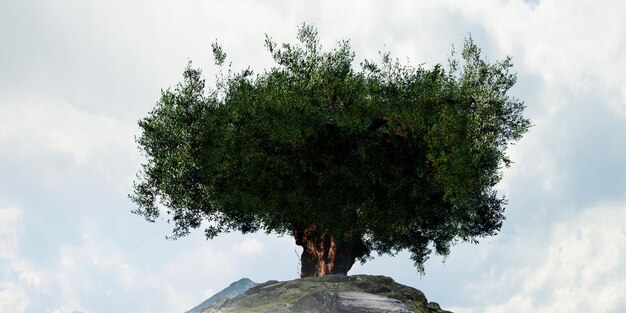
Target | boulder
(329,294)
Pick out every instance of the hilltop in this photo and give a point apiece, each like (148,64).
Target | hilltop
(333,293)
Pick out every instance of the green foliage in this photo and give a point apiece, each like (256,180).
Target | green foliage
(400,157)
(218,54)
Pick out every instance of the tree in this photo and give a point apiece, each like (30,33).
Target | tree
(387,158)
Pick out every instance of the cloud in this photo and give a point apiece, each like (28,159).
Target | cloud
(249,245)
(568,56)
(579,269)
(94,275)
(9,217)
(22,285)
(565,190)
(33,125)
(572,45)
(62,162)
(12,296)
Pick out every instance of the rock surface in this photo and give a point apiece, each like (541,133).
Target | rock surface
(332,294)
(351,301)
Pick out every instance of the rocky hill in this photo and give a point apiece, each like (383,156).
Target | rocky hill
(229,292)
(332,294)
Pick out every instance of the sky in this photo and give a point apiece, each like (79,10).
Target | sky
(76,76)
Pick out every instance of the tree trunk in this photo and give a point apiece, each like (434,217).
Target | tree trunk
(323,255)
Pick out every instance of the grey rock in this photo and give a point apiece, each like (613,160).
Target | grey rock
(330,294)
(363,302)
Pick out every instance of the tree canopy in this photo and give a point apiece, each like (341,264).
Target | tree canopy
(383,158)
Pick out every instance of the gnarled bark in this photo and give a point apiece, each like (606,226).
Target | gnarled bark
(323,255)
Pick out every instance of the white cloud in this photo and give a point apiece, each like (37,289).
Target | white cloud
(580,269)
(83,275)
(94,275)
(9,217)
(31,126)
(13,299)
(576,46)
(57,147)
(96,269)
(30,279)
(250,245)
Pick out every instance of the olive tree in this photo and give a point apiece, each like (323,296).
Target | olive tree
(381,158)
